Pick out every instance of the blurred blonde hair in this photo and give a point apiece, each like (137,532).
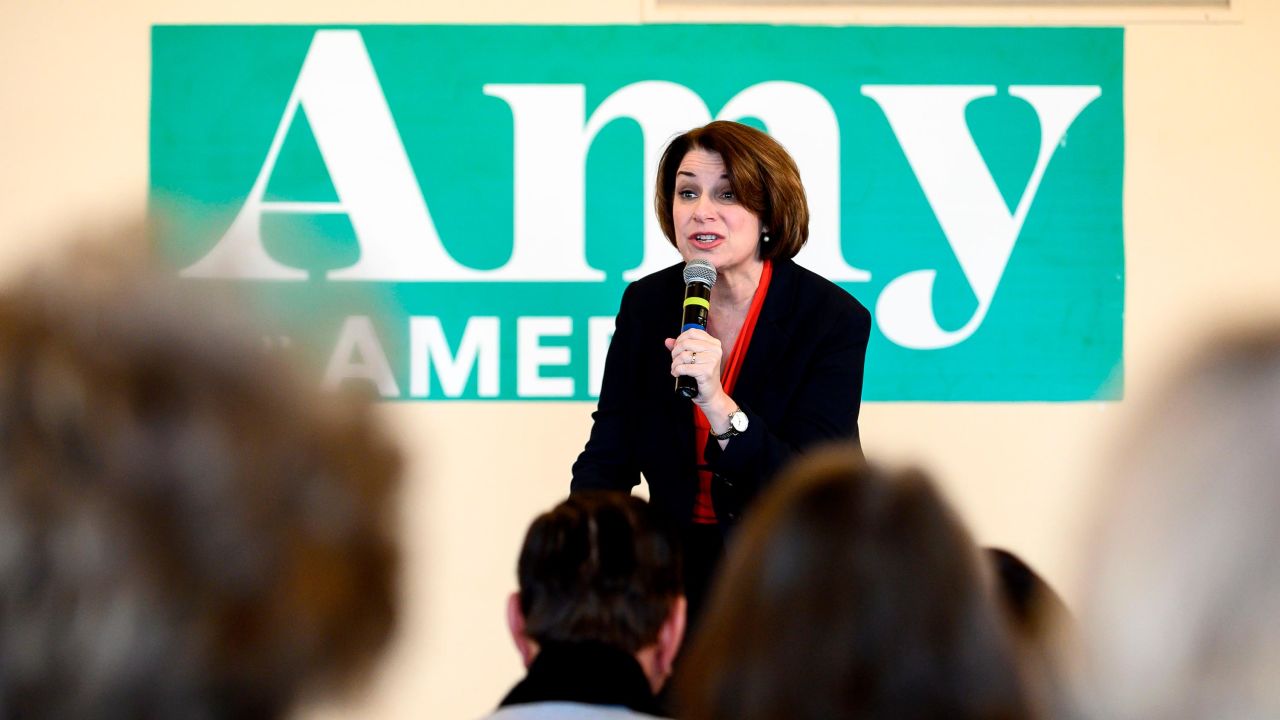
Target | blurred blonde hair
(1180,615)
(187,529)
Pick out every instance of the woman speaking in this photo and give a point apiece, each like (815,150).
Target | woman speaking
(777,369)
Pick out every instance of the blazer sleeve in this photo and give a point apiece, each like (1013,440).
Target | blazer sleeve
(608,461)
(823,408)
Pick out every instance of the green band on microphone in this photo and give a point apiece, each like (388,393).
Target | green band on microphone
(697,301)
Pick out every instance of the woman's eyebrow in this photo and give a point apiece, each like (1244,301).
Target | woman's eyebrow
(687,173)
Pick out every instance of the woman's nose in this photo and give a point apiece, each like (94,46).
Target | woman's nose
(703,209)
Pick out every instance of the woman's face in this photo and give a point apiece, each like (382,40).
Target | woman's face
(709,221)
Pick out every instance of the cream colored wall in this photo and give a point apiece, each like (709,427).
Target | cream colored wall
(1202,179)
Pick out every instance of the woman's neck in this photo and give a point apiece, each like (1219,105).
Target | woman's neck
(734,290)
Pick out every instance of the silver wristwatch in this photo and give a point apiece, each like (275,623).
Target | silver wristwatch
(737,425)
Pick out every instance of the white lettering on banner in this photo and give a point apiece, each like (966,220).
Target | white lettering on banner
(552,142)
(338,90)
(358,337)
(663,110)
(477,349)
(803,122)
(599,335)
(549,242)
(359,355)
(357,137)
(532,356)
(929,121)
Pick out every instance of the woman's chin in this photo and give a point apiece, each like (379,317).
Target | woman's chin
(704,254)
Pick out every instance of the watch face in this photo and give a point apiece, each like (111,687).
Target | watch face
(739,421)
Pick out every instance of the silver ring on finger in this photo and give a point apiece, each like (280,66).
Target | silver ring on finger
(693,357)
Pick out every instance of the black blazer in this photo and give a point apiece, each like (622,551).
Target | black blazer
(800,384)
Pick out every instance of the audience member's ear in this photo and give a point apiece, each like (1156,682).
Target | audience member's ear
(515,623)
(670,636)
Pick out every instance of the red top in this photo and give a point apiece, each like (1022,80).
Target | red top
(703,512)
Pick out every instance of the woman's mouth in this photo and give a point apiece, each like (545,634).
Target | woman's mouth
(705,240)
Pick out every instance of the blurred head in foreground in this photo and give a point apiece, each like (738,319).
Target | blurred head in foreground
(852,592)
(1181,613)
(600,593)
(186,529)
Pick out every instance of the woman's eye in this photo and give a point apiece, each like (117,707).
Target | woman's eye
(688,194)
(728,195)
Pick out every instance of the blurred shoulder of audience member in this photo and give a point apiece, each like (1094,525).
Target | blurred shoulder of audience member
(852,592)
(187,530)
(1179,613)
(600,613)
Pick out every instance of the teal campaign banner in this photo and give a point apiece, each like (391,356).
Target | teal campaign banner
(453,212)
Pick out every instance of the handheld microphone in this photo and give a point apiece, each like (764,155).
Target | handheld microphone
(699,277)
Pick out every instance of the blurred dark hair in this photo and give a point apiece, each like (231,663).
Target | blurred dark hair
(852,592)
(600,566)
(762,174)
(186,529)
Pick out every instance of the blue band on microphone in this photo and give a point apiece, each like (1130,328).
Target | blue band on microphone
(693,325)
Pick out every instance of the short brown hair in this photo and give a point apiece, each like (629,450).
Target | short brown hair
(852,592)
(761,173)
(602,567)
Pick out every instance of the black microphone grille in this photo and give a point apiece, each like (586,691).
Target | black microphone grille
(700,271)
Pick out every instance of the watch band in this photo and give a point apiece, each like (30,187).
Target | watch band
(732,431)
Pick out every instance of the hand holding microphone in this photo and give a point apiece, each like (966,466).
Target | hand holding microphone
(695,355)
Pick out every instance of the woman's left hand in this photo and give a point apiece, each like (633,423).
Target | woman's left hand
(697,354)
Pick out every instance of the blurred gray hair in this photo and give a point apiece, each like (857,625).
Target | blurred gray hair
(1182,614)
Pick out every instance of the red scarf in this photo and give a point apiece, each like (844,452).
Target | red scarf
(703,512)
